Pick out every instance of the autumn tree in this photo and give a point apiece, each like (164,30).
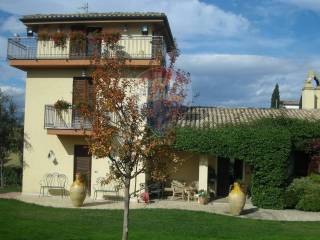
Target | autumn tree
(134,116)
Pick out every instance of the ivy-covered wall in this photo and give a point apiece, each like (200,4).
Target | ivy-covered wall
(265,144)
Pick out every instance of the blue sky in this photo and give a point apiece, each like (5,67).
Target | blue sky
(235,50)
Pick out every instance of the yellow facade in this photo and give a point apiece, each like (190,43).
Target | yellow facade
(44,87)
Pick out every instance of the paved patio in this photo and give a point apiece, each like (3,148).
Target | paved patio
(219,207)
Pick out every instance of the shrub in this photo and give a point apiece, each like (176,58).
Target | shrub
(12,176)
(310,202)
(315,177)
(291,198)
(296,190)
(304,194)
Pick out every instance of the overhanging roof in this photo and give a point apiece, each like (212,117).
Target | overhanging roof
(211,117)
(107,16)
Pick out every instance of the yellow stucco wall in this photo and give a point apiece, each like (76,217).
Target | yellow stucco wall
(43,87)
(46,87)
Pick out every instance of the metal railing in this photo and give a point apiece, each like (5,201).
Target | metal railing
(132,47)
(64,119)
(70,118)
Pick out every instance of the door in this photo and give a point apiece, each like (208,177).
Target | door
(93,48)
(223,177)
(229,171)
(78,42)
(82,163)
(82,94)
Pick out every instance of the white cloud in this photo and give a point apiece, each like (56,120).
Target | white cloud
(188,18)
(243,80)
(10,74)
(12,24)
(12,91)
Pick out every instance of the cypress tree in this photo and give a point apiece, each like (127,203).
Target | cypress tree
(275,98)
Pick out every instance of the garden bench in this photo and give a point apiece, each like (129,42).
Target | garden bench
(101,186)
(178,189)
(55,181)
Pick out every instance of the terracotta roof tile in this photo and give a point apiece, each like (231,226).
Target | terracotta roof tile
(211,117)
(106,15)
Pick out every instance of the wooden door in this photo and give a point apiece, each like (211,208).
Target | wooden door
(78,46)
(93,48)
(82,94)
(82,163)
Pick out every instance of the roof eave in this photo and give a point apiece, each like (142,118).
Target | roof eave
(163,17)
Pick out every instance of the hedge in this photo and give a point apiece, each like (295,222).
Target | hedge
(265,144)
(12,176)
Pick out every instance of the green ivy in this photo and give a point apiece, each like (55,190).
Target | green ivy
(265,144)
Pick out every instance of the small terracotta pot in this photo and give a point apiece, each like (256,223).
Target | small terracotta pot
(78,191)
(203,200)
(236,199)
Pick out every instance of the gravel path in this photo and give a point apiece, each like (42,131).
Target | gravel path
(218,207)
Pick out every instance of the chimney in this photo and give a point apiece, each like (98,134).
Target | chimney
(308,93)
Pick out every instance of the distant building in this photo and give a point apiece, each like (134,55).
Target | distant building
(289,104)
(310,97)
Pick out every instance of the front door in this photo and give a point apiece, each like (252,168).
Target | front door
(223,177)
(229,171)
(82,163)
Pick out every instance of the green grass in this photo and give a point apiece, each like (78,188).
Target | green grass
(13,188)
(26,221)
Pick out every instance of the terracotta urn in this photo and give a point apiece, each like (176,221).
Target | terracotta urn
(236,200)
(78,191)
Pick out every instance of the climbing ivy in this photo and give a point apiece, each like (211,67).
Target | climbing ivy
(265,144)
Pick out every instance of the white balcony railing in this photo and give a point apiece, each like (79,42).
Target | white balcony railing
(132,47)
(64,119)
(70,118)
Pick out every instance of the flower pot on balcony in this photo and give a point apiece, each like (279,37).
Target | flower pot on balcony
(78,191)
(236,199)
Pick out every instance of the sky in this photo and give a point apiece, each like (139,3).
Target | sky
(235,50)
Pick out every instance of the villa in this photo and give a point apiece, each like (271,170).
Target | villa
(56,72)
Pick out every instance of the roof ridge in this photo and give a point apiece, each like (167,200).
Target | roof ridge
(113,13)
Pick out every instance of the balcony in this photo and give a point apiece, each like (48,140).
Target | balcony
(28,52)
(65,122)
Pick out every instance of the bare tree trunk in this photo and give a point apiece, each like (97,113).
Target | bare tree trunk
(126,210)
(1,174)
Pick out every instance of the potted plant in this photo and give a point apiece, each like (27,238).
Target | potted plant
(203,197)
(61,105)
(43,36)
(59,39)
(78,41)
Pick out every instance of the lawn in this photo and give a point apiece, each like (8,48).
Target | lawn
(26,221)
